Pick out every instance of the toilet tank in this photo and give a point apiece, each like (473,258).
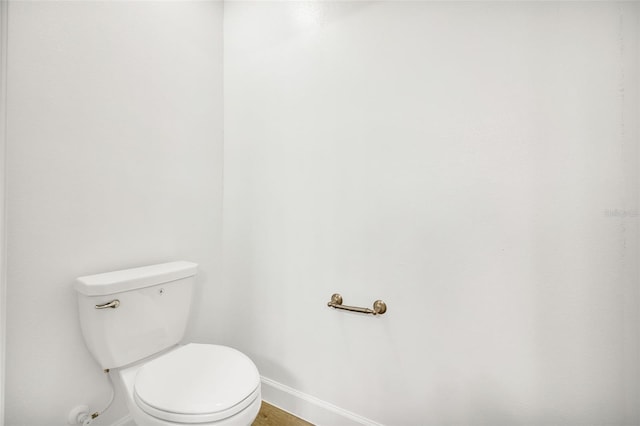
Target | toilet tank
(131,314)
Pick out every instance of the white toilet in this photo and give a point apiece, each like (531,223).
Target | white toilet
(132,322)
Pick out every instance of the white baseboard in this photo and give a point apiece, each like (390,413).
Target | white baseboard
(124,421)
(309,408)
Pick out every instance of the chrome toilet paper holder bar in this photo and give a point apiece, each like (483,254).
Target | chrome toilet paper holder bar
(379,307)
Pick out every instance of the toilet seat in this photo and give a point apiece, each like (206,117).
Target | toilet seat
(197,383)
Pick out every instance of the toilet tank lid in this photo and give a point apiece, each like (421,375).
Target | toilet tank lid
(134,278)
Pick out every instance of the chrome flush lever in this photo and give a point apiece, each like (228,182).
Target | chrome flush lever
(113,304)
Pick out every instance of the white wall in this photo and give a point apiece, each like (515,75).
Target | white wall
(456,160)
(3,257)
(114,161)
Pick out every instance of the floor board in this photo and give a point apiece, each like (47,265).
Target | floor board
(273,416)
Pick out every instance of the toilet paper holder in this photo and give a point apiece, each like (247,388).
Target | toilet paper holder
(379,307)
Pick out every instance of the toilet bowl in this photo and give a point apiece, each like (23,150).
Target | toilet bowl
(133,322)
(194,384)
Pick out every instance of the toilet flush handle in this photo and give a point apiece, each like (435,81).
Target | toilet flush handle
(113,304)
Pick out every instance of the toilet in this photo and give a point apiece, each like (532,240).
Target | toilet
(133,322)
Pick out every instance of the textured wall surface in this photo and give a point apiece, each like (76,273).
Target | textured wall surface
(115,161)
(472,164)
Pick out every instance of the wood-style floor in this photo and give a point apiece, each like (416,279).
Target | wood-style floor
(273,416)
